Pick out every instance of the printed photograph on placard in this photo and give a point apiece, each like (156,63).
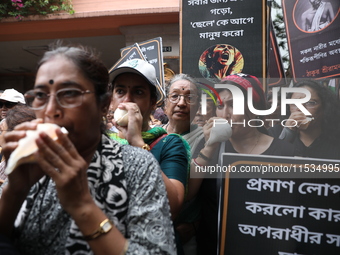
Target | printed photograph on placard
(219,61)
(314,15)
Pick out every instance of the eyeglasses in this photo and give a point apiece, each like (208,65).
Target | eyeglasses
(8,105)
(66,98)
(3,131)
(189,98)
(309,104)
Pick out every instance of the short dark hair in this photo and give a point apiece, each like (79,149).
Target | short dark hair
(19,114)
(88,61)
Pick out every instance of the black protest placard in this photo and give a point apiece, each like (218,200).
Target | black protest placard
(313,34)
(132,53)
(278,213)
(153,53)
(223,37)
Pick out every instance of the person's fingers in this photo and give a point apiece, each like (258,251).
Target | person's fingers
(14,136)
(130,107)
(32,125)
(48,157)
(8,148)
(67,150)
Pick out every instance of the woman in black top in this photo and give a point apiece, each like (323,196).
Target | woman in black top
(321,138)
(245,139)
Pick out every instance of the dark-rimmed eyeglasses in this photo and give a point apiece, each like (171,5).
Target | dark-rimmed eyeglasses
(66,98)
(7,104)
(189,98)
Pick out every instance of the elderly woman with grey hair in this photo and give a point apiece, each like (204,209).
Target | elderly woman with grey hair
(181,104)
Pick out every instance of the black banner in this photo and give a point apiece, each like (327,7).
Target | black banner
(313,33)
(222,37)
(283,216)
(131,53)
(153,53)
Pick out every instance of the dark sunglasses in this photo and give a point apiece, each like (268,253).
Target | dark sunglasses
(8,105)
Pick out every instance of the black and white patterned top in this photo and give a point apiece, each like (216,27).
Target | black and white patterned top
(127,185)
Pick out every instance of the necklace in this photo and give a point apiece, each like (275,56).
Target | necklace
(257,141)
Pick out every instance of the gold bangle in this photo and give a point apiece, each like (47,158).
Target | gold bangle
(146,147)
(126,247)
(104,227)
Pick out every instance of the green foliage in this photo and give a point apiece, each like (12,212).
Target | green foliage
(23,8)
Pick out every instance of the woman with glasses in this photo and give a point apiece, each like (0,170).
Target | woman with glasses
(182,97)
(181,104)
(315,136)
(84,194)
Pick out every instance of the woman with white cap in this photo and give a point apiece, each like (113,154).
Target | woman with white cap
(135,90)
(8,99)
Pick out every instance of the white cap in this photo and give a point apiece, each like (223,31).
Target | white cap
(137,66)
(11,95)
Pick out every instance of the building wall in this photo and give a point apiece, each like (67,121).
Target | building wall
(118,22)
(88,6)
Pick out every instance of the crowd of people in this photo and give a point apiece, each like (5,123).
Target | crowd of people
(113,188)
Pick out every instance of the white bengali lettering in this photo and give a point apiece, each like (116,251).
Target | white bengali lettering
(220,11)
(247,229)
(321,189)
(333,239)
(305,51)
(132,55)
(197,2)
(218,1)
(202,24)
(320,213)
(335,42)
(335,188)
(210,35)
(222,22)
(299,233)
(153,61)
(271,185)
(275,209)
(233,33)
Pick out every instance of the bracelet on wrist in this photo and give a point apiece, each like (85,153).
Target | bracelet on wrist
(104,227)
(201,155)
(196,164)
(126,247)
